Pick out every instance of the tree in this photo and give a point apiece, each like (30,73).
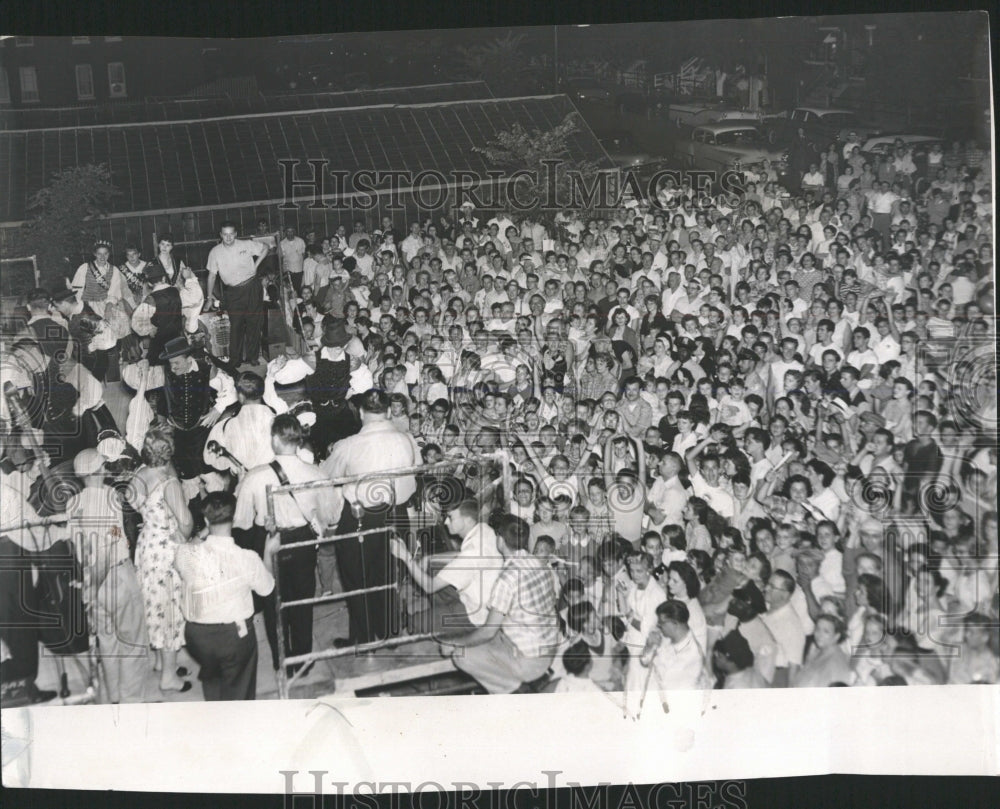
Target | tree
(62,225)
(547,157)
(501,63)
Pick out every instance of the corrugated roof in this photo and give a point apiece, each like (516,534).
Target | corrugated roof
(235,161)
(192,108)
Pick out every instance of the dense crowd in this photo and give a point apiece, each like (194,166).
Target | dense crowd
(699,441)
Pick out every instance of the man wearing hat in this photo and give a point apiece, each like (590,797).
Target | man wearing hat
(465,216)
(83,324)
(111,587)
(159,316)
(50,334)
(186,403)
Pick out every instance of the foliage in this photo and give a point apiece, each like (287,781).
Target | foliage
(501,63)
(537,151)
(62,227)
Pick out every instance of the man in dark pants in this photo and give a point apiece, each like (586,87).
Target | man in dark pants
(21,618)
(217,581)
(377,501)
(298,517)
(235,262)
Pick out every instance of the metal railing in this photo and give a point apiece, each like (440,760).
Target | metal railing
(285,681)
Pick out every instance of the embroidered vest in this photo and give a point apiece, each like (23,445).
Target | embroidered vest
(97,284)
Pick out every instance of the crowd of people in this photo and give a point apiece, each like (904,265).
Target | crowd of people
(700,441)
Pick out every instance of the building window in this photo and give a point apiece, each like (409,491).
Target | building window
(81,40)
(116,79)
(84,82)
(24,42)
(112,39)
(29,85)
(4,87)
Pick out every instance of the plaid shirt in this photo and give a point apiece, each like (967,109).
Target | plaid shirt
(526,595)
(594,386)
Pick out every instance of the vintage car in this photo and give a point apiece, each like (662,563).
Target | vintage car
(697,113)
(822,125)
(886,144)
(625,152)
(603,94)
(728,145)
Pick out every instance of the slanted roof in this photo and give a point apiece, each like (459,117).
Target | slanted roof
(183,109)
(234,161)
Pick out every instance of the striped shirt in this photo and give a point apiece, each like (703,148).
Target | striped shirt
(525,594)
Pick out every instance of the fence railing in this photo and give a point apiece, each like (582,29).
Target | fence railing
(284,680)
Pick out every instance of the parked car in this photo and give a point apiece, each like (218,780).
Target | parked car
(886,144)
(728,146)
(699,113)
(608,94)
(625,152)
(821,125)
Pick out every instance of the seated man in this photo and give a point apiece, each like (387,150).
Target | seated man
(460,590)
(516,644)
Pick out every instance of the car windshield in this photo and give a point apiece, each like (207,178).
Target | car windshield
(738,136)
(840,118)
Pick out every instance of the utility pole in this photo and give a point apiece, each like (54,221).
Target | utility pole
(555,57)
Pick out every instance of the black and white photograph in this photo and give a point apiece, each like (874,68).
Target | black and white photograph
(604,368)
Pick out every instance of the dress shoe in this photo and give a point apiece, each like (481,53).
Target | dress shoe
(36,695)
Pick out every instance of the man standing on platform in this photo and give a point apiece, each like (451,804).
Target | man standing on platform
(298,517)
(378,501)
(293,256)
(236,263)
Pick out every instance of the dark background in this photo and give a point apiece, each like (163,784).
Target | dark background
(252,18)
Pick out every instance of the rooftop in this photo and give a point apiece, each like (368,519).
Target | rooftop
(223,161)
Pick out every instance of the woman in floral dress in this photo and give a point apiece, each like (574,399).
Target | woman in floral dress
(166,521)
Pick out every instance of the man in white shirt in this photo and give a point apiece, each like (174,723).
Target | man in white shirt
(296,518)
(240,435)
(376,502)
(460,591)
(293,254)
(705,485)
(784,624)
(412,243)
(667,496)
(863,358)
(235,262)
(218,580)
(671,651)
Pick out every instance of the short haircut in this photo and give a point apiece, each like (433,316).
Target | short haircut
(674,611)
(218,508)
(250,385)
(514,531)
(286,428)
(374,401)
(468,508)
